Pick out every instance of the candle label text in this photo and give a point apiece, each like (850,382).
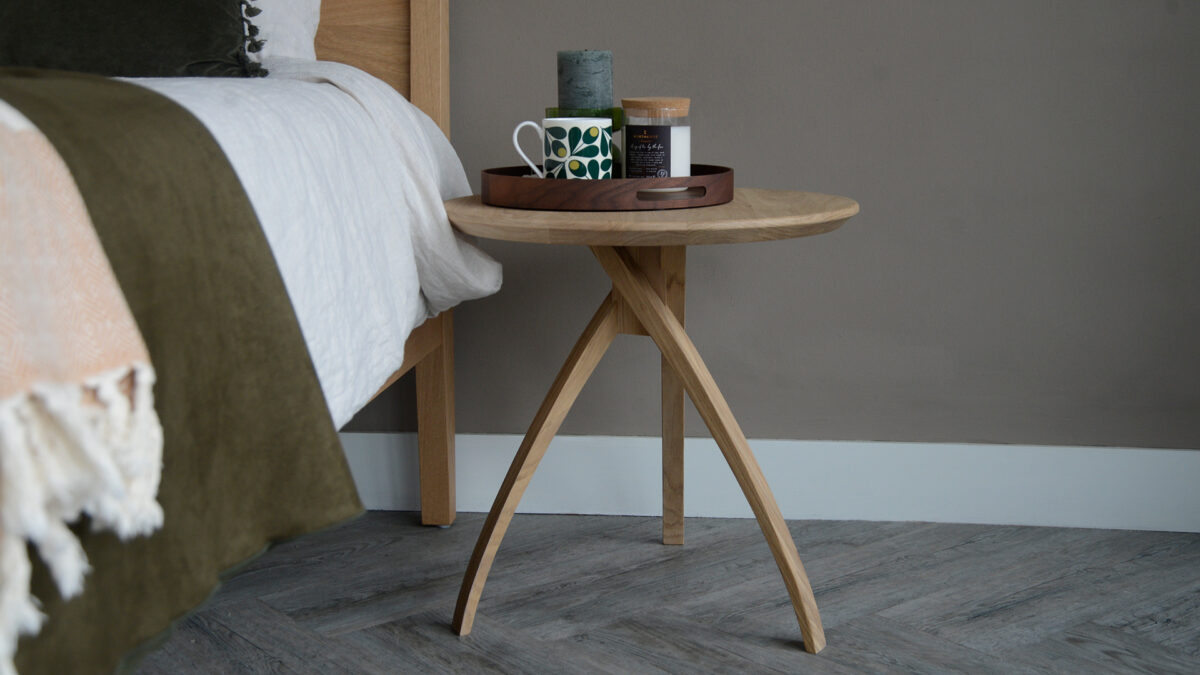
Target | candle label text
(647,151)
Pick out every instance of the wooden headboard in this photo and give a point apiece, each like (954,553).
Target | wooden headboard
(405,43)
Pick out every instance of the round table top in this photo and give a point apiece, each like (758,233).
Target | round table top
(753,215)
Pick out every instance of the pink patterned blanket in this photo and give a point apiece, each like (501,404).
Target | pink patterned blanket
(78,429)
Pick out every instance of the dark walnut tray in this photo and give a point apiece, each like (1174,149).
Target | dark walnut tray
(515,188)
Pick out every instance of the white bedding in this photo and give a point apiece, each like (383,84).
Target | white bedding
(347,178)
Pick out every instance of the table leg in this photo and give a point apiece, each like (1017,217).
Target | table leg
(677,348)
(670,285)
(435,427)
(672,456)
(575,372)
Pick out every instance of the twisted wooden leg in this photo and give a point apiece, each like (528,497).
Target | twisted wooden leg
(681,354)
(575,372)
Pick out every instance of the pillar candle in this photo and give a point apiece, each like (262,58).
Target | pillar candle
(585,79)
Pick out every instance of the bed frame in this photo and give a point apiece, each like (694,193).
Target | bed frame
(406,43)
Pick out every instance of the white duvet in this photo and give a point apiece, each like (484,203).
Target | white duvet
(347,178)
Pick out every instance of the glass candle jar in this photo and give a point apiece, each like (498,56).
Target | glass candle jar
(658,137)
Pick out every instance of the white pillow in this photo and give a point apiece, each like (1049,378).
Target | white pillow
(287,28)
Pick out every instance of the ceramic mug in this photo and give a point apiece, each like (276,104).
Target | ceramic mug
(572,147)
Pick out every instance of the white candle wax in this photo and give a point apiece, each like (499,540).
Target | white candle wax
(681,151)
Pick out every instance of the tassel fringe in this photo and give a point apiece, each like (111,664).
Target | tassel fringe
(253,43)
(67,450)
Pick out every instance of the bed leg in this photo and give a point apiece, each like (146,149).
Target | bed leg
(435,427)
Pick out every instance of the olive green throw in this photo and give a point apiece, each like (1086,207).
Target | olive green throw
(250,452)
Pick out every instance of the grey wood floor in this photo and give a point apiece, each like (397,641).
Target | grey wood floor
(600,594)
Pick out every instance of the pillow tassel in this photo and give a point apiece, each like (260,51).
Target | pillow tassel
(253,43)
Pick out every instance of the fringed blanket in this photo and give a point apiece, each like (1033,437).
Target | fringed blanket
(249,452)
(78,431)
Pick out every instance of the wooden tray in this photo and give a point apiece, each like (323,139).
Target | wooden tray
(514,187)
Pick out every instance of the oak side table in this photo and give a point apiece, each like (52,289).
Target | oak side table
(643,253)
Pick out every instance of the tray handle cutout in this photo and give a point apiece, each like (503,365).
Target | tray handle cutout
(668,194)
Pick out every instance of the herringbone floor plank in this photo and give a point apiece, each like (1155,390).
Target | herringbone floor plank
(600,594)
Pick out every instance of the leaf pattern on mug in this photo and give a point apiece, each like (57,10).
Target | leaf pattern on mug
(578,152)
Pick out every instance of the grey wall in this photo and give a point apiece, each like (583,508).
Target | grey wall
(1024,269)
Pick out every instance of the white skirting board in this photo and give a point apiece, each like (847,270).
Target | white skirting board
(1119,488)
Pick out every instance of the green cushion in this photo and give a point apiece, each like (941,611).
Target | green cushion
(130,38)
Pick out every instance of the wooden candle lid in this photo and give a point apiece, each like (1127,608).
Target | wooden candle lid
(657,106)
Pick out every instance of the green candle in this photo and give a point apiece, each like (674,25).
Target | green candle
(585,79)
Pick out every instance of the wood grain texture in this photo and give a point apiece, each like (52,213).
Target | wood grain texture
(600,594)
(574,374)
(671,287)
(1090,648)
(707,185)
(649,259)
(372,35)
(430,349)
(405,43)
(1172,618)
(753,215)
(665,268)
(435,425)
(429,61)
(421,342)
(685,360)
(1004,614)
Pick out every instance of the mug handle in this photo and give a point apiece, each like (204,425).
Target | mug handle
(521,152)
